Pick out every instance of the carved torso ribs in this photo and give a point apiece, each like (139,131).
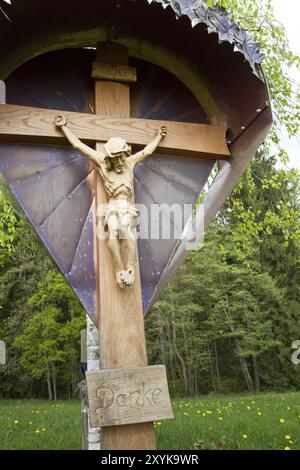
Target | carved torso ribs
(117,184)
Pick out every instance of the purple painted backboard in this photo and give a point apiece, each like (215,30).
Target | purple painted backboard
(53,184)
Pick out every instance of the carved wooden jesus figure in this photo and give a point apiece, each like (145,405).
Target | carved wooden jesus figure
(119,216)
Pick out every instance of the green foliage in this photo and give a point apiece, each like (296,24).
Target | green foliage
(257,17)
(9,225)
(40,343)
(235,422)
(264,206)
(234,306)
(33,293)
(40,425)
(265,421)
(228,320)
(50,343)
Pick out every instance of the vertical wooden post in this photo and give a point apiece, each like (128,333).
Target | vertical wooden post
(120,313)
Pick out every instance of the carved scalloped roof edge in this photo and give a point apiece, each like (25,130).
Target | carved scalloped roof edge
(218,21)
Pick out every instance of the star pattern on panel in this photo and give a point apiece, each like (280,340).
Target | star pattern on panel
(55,185)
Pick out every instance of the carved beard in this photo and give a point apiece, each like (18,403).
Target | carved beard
(116,166)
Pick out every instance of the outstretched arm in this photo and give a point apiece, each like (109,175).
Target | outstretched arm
(150,148)
(60,121)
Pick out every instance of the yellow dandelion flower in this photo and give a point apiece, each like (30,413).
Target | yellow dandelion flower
(287,437)
(43,429)
(245,436)
(220,418)
(281,420)
(287,448)
(208,412)
(203,414)
(16,421)
(37,431)
(259,413)
(186,414)
(30,422)
(248,407)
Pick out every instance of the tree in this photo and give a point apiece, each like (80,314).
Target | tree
(23,264)
(41,347)
(257,17)
(50,343)
(214,314)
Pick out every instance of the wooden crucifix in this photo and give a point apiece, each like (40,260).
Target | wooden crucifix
(116,169)
(119,310)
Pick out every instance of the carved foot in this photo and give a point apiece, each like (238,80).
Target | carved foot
(129,276)
(125,278)
(120,278)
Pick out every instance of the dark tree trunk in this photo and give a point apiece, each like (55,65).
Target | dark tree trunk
(256,374)
(50,394)
(54,386)
(181,360)
(217,363)
(244,366)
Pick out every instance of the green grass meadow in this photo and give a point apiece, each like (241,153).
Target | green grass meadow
(266,421)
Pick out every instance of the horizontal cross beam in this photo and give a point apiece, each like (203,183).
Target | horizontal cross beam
(21,124)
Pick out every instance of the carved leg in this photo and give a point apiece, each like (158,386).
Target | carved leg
(130,243)
(115,249)
(131,259)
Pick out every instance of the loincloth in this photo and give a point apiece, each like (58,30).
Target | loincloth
(122,210)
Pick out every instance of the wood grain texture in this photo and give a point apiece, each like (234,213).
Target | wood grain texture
(120,312)
(114,72)
(126,396)
(35,125)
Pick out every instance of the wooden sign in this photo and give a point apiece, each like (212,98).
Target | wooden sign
(2,353)
(128,396)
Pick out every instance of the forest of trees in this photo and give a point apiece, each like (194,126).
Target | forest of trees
(226,323)
(228,320)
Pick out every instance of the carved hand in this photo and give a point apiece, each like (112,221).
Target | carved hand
(60,120)
(162,131)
